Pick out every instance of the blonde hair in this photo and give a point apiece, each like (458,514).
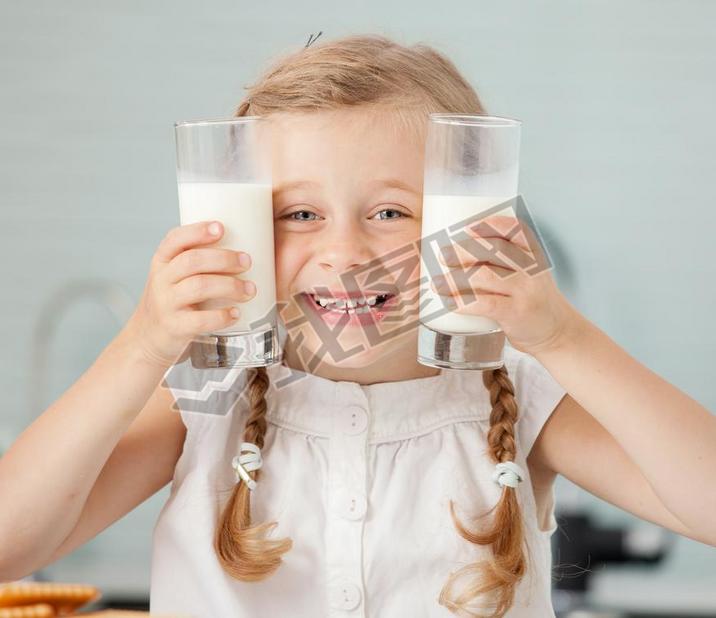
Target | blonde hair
(374,72)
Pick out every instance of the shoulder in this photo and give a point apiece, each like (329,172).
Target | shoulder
(537,394)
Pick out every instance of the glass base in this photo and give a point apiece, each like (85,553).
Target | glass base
(239,350)
(460,351)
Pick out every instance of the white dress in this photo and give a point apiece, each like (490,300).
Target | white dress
(359,477)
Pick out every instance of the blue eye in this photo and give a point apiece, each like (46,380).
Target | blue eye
(291,216)
(392,210)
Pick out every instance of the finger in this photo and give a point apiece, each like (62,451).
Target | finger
(183,237)
(488,305)
(470,251)
(481,303)
(206,260)
(521,234)
(487,279)
(208,320)
(507,227)
(198,288)
(495,225)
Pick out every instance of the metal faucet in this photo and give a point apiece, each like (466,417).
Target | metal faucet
(109,294)
(106,293)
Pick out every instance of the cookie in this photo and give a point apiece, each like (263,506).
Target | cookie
(64,598)
(39,610)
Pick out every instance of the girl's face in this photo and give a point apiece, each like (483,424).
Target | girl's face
(347,192)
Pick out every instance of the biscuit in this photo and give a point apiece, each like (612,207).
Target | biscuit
(39,610)
(63,598)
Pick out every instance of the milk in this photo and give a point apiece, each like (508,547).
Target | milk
(440,212)
(246,211)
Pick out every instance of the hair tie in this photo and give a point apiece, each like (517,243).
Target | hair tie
(245,463)
(508,473)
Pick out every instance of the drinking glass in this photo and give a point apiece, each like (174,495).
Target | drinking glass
(224,174)
(470,171)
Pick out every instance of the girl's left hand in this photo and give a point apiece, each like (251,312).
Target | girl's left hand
(530,308)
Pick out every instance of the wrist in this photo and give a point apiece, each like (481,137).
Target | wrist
(131,341)
(574,327)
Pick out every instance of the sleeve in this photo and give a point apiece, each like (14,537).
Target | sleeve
(537,394)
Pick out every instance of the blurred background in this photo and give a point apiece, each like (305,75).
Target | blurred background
(617,161)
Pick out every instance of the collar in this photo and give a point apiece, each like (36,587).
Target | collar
(309,403)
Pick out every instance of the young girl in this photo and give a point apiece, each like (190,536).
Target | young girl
(372,485)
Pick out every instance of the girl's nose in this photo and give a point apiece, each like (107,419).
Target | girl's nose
(334,266)
(342,256)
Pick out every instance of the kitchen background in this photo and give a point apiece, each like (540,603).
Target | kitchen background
(617,167)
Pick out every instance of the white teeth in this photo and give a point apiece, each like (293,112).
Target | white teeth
(361,304)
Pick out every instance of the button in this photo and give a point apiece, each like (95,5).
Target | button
(344,595)
(353,420)
(350,505)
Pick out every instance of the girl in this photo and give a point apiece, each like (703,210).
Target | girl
(370,485)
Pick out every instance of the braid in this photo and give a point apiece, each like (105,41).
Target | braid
(256,422)
(243,550)
(499,575)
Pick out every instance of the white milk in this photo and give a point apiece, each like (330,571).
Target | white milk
(442,211)
(246,211)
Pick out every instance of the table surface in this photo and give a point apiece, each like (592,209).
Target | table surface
(113,613)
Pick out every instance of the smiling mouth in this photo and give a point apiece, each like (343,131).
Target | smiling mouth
(357,305)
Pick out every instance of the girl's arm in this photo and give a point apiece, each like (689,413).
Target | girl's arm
(666,433)
(49,471)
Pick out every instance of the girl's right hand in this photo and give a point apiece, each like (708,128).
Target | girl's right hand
(166,319)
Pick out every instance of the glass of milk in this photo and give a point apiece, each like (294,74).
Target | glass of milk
(224,174)
(471,168)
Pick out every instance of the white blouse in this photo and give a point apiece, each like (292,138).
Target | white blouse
(359,477)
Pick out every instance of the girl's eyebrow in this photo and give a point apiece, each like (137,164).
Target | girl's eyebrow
(394,183)
(295,184)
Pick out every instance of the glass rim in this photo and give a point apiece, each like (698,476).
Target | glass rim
(233,120)
(474,119)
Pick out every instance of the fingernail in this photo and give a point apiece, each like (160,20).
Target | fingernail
(249,287)
(244,260)
(214,229)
